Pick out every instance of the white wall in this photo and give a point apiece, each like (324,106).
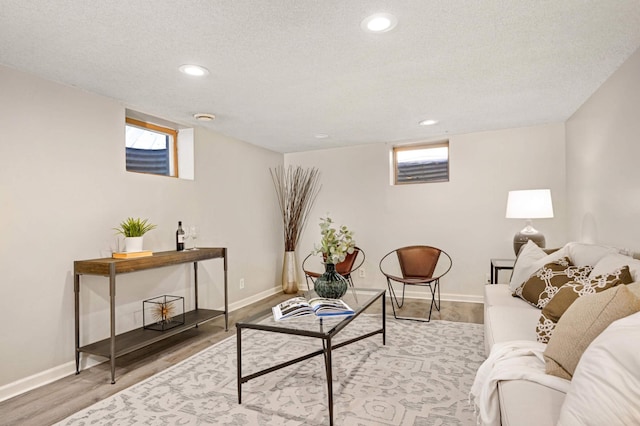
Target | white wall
(465,216)
(603,176)
(63,187)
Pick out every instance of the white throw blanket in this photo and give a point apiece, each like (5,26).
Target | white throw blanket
(514,360)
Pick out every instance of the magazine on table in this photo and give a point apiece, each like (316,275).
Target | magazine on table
(319,306)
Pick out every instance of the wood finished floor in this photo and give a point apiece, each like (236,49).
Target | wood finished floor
(56,401)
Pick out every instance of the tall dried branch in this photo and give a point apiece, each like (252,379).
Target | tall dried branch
(297,189)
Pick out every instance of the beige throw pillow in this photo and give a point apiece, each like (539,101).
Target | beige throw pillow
(583,321)
(634,287)
(568,293)
(545,282)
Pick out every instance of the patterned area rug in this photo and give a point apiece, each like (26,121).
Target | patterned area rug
(421,377)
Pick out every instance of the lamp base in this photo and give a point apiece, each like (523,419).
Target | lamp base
(525,235)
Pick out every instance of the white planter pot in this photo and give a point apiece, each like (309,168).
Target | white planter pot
(132,244)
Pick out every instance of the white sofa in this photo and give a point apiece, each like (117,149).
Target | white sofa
(508,318)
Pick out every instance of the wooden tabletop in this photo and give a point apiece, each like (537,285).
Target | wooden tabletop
(159,259)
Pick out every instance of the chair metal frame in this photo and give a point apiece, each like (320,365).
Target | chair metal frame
(357,262)
(433,282)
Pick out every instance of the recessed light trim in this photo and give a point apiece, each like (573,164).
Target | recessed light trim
(193,70)
(201,116)
(428,122)
(379,23)
(321,136)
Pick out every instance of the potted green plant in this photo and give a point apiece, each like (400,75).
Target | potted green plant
(133,229)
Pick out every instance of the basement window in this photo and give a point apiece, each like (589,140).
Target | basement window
(151,148)
(421,163)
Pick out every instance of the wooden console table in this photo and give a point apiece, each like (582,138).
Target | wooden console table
(117,345)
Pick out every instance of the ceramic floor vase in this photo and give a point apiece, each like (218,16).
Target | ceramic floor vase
(290,273)
(331,284)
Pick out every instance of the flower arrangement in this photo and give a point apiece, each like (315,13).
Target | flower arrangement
(335,243)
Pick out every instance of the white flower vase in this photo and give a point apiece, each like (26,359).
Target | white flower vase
(132,244)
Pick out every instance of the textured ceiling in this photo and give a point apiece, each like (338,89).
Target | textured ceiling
(285,70)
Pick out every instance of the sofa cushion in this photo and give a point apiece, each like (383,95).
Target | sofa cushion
(582,254)
(543,284)
(571,291)
(635,288)
(583,321)
(506,323)
(522,401)
(605,388)
(614,261)
(500,295)
(529,260)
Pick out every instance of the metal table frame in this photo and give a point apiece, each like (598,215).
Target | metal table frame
(117,345)
(498,265)
(327,343)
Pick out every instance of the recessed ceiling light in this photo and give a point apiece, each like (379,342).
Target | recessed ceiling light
(321,136)
(428,122)
(204,117)
(194,70)
(379,23)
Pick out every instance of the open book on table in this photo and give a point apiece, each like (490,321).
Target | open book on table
(319,306)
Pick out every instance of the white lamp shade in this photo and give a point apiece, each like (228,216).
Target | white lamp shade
(529,204)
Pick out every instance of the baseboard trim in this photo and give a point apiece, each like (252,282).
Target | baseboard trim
(26,384)
(252,299)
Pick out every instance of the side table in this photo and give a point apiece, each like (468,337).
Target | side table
(499,264)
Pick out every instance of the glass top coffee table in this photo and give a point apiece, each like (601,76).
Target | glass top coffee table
(325,328)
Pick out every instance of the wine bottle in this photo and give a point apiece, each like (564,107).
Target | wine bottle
(180,237)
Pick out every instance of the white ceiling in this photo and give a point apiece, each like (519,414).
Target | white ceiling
(285,70)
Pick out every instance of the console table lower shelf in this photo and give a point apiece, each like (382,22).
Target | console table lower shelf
(141,337)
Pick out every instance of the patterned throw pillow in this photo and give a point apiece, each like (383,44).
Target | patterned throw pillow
(544,284)
(570,292)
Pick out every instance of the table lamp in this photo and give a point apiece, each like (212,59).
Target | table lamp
(529,204)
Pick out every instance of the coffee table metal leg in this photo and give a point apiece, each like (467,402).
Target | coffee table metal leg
(384,320)
(327,360)
(239,366)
